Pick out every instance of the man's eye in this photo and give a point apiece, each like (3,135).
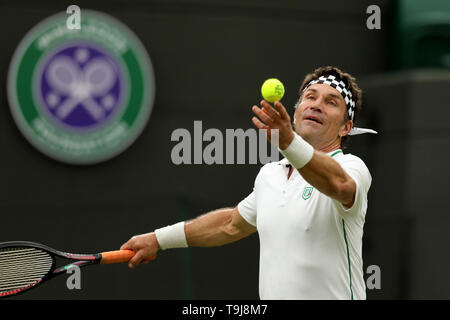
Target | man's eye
(333,103)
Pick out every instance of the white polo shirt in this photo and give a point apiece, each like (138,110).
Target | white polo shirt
(310,245)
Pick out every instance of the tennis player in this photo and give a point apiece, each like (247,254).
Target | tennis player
(308,209)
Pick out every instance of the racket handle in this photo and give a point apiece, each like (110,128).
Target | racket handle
(116,256)
(119,256)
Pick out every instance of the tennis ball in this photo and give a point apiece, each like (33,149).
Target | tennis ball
(272,90)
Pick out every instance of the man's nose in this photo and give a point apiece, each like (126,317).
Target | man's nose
(317,105)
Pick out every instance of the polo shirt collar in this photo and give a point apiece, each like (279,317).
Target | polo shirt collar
(335,152)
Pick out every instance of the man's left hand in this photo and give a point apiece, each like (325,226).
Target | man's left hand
(274,118)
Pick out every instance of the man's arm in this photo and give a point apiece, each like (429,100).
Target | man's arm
(325,174)
(322,171)
(215,228)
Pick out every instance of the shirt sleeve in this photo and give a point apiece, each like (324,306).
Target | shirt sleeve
(358,171)
(247,208)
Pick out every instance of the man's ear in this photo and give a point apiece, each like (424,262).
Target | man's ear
(345,129)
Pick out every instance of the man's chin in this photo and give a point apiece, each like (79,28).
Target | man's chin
(307,132)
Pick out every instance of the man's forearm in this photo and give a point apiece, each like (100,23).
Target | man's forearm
(215,228)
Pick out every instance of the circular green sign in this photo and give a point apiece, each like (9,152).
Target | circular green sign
(81,96)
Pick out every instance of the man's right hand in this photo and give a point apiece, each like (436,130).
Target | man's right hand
(145,245)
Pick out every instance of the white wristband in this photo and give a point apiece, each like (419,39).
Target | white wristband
(299,152)
(172,236)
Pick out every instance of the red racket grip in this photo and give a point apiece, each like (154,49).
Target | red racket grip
(119,256)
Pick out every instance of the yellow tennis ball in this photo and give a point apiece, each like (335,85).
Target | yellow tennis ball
(272,90)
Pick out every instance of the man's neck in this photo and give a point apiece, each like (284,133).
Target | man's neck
(329,148)
(325,147)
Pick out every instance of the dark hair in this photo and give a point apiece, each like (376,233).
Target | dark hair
(349,81)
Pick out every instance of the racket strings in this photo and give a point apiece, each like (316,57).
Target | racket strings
(22,267)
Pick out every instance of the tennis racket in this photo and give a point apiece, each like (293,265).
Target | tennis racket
(24,265)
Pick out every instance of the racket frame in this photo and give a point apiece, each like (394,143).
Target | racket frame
(81,260)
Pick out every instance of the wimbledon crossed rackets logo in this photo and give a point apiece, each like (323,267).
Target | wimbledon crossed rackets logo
(81,96)
(81,86)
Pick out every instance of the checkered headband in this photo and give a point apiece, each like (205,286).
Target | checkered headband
(339,85)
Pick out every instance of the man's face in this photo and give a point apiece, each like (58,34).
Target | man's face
(319,117)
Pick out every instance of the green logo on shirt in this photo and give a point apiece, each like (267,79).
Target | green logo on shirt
(307,193)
